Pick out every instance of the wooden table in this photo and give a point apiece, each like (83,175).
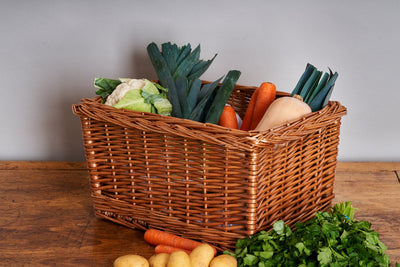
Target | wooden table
(47,217)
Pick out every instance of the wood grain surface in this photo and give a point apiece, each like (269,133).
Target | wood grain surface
(47,217)
(374,189)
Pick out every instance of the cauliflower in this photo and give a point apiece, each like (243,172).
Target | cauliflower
(122,89)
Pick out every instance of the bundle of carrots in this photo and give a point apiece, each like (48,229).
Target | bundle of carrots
(261,99)
(168,243)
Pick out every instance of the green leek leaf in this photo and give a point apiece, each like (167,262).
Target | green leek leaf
(303,79)
(200,68)
(200,110)
(322,97)
(175,52)
(185,67)
(164,77)
(168,54)
(183,53)
(321,84)
(182,90)
(311,83)
(204,92)
(222,96)
(194,93)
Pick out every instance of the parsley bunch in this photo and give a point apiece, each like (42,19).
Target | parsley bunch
(330,238)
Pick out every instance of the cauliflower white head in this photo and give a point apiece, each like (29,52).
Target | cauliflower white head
(123,88)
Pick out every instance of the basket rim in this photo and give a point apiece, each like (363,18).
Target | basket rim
(93,108)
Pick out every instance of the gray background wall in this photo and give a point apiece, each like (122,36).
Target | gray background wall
(50,51)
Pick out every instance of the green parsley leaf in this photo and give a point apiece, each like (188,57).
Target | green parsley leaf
(325,255)
(331,238)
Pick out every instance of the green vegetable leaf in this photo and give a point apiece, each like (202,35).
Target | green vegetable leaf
(325,256)
(169,55)
(199,111)
(162,89)
(311,83)
(322,96)
(193,94)
(150,88)
(133,100)
(311,94)
(182,90)
(207,88)
(314,90)
(105,86)
(332,238)
(179,69)
(303,79)
(250,260)
(200,68)
(185,67)
(266,254)
(345,208)
(165,78)
(183,53)
(279,227)
(221,97)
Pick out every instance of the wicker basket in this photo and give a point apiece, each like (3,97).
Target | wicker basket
(204,181)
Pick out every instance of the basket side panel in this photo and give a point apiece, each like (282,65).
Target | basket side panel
(147,179)
(298,179)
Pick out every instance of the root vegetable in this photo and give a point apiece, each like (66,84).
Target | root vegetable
(179,259)
(202,255)
(131,261)
(266,95)
(157,237)
(283,110)
(224,261)
(168,249)
(159,260)
(228,118)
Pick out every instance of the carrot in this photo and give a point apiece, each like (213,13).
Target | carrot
(158,237)
(168,249)
(228,118)
(249,112)
(266,95)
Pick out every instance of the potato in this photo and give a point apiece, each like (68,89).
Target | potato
(131,261)
(159,260)
(178,259)
(224,261)
(202,255)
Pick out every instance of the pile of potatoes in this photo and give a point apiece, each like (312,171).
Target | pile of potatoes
(201,256)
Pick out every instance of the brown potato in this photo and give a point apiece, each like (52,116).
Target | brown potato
(159,260)
(131,261)
(178,259)
(224,261)
(202,255)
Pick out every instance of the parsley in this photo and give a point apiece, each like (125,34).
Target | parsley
(331,238)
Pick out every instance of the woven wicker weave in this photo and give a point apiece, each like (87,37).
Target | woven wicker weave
(204,181)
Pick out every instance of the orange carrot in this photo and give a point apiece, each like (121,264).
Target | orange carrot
(249,112)
(266,95)
(158,237)
(168,249)
(228,118)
